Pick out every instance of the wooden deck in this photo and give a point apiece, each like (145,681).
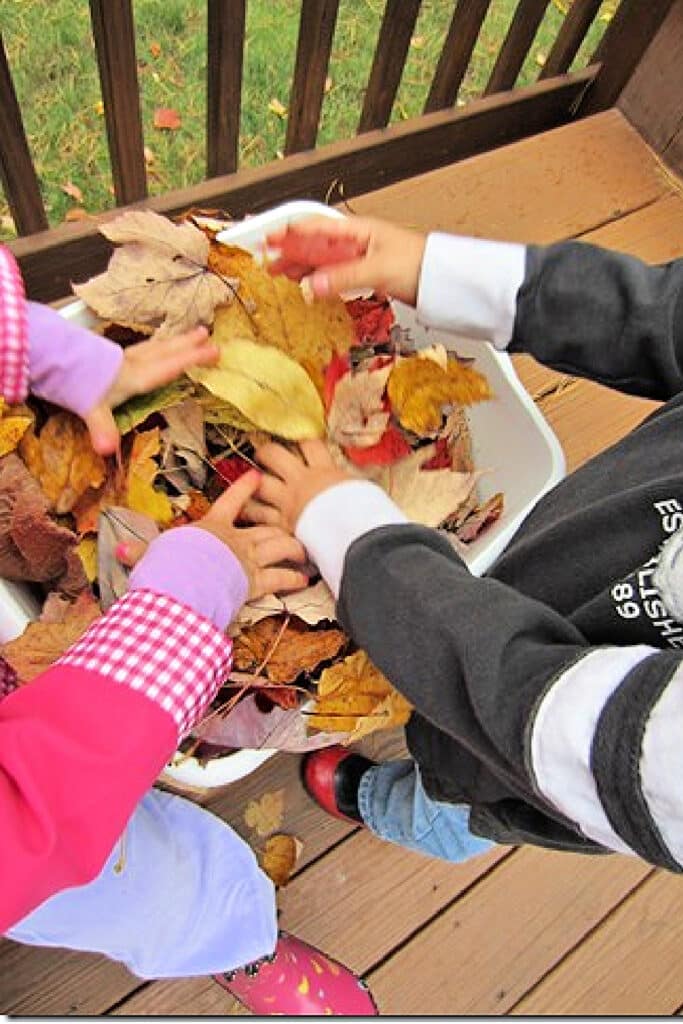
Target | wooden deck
(518,931)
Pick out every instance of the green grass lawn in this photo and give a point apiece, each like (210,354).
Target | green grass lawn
(50,50)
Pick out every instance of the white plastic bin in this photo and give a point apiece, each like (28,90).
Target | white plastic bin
(511,441)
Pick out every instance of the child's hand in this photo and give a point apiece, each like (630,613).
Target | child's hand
(259,549)
(350,254)
(145,366)
(292,482)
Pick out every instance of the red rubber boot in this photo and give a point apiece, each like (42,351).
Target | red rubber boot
(332,776)
(297,980)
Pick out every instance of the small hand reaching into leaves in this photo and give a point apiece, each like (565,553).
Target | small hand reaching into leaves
(261,550)
(291,482)
(145,366)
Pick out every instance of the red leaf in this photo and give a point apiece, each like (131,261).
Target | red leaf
(231,469)
(391,447)
(166,117)
(372,319)
(442,458)
(336,369)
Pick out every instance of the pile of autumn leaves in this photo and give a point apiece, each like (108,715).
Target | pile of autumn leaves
(290,369)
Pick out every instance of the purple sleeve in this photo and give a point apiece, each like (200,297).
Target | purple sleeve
(69,365)
(193,566)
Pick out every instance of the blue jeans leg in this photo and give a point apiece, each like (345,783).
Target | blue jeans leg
(394,805)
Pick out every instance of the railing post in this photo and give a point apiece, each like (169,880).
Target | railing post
(627,37)
(18,175)
(114,34)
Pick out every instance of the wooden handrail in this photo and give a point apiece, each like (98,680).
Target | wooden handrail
(51,260)
(225,54)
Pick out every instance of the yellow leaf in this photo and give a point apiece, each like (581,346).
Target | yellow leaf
(271,390)
(271,310)
(265,815)
(419,389)
(280,856)
(63,460)
(140,493)
(12,427)
(87,552)
(354,697)
(277,108)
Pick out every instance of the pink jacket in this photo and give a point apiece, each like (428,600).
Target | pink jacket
(81,744)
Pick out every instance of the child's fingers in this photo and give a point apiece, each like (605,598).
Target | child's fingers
(277,459)
(129,552)
(334,279)
(277,581)
(229,505)
(281,548)
(316,454)
(272,491)
(104,434)
(257,512)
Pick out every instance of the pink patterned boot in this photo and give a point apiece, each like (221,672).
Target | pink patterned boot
(299,981)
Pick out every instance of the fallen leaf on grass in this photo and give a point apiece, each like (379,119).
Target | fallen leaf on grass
(42,642)
(167,118)
(265,815)
(73,191)
(280,856)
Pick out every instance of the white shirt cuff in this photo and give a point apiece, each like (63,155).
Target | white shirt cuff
(334,519)
(469,286)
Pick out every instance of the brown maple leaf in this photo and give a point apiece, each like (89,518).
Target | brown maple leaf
(158,276)
(42,642)
(63,461)
(356,698)
(298,649)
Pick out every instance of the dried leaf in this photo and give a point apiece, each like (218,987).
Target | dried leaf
(33,547)
(87,552)
(117,525)
(132,488)
(358,415)
(42,643)
(265,815)
(158,276)
(425,496)
(247,725)
(63,461)
(272,311)
(73,191)
(14,422)
(419,389)
(167,118)
(297,650)
(312,605)
(185,435)
(269,389)
(137,409)
(354,697)
(279,857)
(277,108)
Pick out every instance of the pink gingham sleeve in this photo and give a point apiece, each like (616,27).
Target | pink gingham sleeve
(14,346)
(159,647)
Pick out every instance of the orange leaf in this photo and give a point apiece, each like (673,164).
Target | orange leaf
(280,856)
(63,460)
(167,118)
(299,649)
(43,642)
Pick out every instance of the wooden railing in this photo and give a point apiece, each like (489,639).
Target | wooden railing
(376,156)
